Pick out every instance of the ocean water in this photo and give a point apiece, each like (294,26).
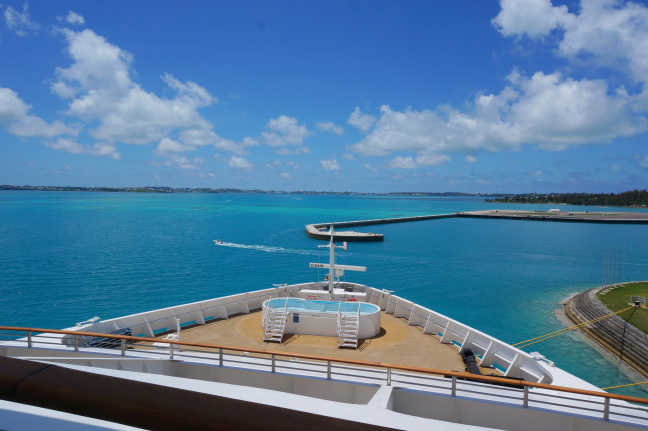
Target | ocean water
(68,256)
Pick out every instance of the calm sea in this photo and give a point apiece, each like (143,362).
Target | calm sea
(68,256)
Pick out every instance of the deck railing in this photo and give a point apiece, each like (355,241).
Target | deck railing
(523,394)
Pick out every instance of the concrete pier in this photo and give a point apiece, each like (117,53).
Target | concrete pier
(319,230)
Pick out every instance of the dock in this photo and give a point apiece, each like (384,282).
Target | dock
(322,230)
(319,230)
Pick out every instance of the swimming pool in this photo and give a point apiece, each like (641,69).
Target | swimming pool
(315,317)
(297,304)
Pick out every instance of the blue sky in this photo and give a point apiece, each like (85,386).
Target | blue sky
(508,96)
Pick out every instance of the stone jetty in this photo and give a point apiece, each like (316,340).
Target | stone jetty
(322,230)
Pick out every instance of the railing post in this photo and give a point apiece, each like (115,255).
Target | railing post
(170,351)
(526,396)
(76,343)
(606,410)
(123,347)
(454,386)
(220,357)
(274,364)
(328,370)
(29,339)
(389,371)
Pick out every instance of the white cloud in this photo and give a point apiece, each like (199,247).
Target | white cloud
(432,159)
(605,33)
(168,145)
(294,151)
(183,162)
(534,18)
(614,167)
(360,120)
(68,145)
(14,115)
(642,161)
(74,18)
(286,175)
(20,22)
(239,162)
(73,147)
(470,159)
(330,165)
(368,167)
(545,110)
(285,131)
(329,126)
(102,92)
(198,137)
(402,163)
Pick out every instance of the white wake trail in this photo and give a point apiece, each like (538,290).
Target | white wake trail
(265,248)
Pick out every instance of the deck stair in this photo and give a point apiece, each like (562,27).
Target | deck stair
(275,324)
(348,326)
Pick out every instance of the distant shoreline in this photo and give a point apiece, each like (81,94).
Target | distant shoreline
(156,189)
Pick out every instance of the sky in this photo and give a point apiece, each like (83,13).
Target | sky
(477,96)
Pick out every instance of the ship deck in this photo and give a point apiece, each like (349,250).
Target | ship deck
(397,343)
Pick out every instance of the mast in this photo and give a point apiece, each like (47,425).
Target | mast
(331,263)
(334,270)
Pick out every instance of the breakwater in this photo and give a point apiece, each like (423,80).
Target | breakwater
(318,230)
(611,333)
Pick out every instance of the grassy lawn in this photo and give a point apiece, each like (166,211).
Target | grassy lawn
(619,298)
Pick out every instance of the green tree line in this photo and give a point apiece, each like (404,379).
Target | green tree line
(631,198)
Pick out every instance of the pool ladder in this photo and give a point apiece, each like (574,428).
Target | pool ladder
(275,324)
(348,326)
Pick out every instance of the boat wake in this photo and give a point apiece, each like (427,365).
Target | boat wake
(265,248)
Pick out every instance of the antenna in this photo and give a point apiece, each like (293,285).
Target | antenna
(334,269)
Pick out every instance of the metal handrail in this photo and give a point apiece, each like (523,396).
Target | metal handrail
(454,375)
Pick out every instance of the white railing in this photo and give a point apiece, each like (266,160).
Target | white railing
(493,353)
(522,394)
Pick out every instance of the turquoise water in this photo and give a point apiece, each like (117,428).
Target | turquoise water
(68,256)
(296,304)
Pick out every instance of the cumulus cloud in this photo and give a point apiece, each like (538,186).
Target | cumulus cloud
(360,120)
(20,22)
(285,131)
(330,165)
(181,161)
(606,33)
(331,127)
(642,161)
(101,89)
(545,110)
(73,18)
(470,159)
(402,163)
(14,115)
(533,18)
(286,175)
(73,147)
(239,162)
(432,159)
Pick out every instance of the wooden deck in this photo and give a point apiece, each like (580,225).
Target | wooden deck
(397,343)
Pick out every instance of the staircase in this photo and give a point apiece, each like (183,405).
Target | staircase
(275,323)
(348,326)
